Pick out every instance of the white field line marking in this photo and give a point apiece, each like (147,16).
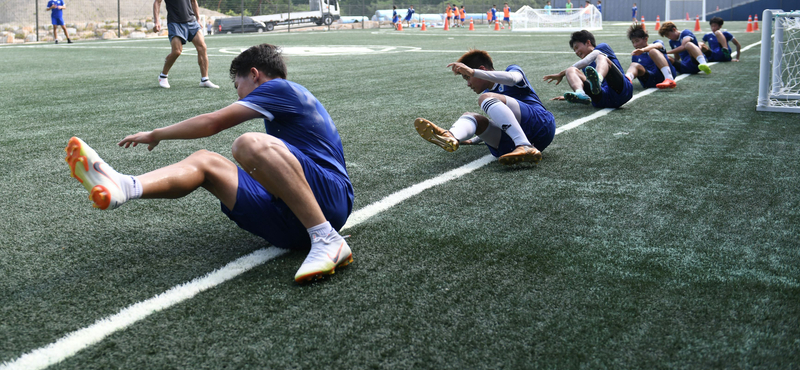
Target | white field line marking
(73,342)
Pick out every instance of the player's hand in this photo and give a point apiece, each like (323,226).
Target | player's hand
(157,27)
(735,60)
(461,69)
(558,98)
(140,138)
(637,52)
(556,77)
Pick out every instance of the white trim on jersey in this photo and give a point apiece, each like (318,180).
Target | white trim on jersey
(269,116)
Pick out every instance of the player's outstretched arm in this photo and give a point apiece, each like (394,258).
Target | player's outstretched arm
(461,69)
(647,49)
(556,77)
(203,125)
(738,50)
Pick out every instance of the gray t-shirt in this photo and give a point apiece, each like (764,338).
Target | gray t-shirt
(179,11)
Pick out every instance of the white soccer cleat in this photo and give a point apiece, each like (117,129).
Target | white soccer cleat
(162,81)
(87,167)
(327,253)
(209,84)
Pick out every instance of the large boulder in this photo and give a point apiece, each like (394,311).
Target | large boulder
(137,35)
(109,35)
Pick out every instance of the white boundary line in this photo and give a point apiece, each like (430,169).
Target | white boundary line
(74,342)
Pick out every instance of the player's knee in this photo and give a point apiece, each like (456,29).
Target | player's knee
(250,146)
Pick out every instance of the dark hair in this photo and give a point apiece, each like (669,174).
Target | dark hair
(666,27)
(637,32)
(265,57)
(582,36)
(716,20)
(476,58)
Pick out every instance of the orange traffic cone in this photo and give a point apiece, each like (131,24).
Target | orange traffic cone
(400,26)
(471,25)
(643,27)
(755,23)
(423,25)
(697,24)
(687,16)
(497,25)
(658,23)
(749,23)
(447,25)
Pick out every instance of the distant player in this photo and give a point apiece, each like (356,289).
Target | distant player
(409,14)
(56,7)
(568,6)
(684,46)
(649,62)
(634,10)
(395,17)
(597,78)
(182,23)
(547,8)
(448,14)
(292,188)
(599,6)
(518,128)
(716,46)
(507,15)
(494,14)
(455,16)
(463,15)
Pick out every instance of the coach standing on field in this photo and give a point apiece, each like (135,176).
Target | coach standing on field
(182,22)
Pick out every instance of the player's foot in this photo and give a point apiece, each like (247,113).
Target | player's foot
(435,134)
(209,84)
(86,166)
(327,253)
(56,42)
(69,41)
(594,79)
(521,154)
(667,84)
(726,53)
(705,68)
(577,97)
(163,82)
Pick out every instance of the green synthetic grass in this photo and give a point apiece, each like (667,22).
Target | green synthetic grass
(662,235)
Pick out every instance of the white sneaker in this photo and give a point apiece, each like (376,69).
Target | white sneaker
(327,253)
(88,168)
(163,82)
(208,83)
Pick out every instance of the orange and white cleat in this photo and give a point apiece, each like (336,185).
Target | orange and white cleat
(435,134)
(327,253)
(667,84)
(521,154)
(95,175)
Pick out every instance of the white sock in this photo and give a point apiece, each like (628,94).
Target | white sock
(320,231)
(630,75)
(667,73)
(203,79)
(701,59)
(464,127)
(162,75)
(502,116)
(580,91)
(131,187)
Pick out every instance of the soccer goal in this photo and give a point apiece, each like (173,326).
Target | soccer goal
(779,77)
(527,19)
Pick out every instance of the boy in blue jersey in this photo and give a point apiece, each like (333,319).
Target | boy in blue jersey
(292,188)
(684,46)
(634,10)
(56,7)
(518,128)
(395,17)
(716,46)
(597,78)
(649,62)
(409,14)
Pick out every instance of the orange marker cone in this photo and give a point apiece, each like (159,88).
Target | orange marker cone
(697,24)
(749,23)
(400,26)
(687,16)
(643,27)
(446,25)
(755,23)
(497,25)
(658,23)
(423,25)
(471,25)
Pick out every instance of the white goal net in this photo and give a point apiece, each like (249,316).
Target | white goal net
(779,77)
(527,19)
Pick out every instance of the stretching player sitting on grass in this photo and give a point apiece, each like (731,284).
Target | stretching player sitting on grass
(518,128)
(649,62)
(716,46)
(597,78)
(684,46)
(292,188)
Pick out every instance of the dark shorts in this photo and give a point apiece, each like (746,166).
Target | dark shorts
(263,214)
(651,77)
(609,98)
(186,31)
(720,55)
(505,19)
(687,65)
(539,127)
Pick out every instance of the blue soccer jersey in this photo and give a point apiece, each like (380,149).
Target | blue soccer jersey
(536,121)
(409,14)
(494,14)
(655,75)
(56,15)
(677,43)
(718,54)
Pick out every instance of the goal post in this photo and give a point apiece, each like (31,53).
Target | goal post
(668,8)
(779,72)
(527,19)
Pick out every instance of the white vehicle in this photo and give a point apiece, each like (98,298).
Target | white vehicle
(322,12)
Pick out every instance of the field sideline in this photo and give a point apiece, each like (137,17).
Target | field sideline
(645,238)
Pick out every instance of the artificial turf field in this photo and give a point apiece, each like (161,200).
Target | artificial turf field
(660,235)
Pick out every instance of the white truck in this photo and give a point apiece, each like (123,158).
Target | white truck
(322,12)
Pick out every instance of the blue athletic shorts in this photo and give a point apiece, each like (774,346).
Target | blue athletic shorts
(186,31)
(262,214)
(610,98)
(720,55)
(57,21)
(505,19)
(651,78)
(687,65)
(539,127)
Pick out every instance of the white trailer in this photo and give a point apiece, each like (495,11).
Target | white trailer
(322,12)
